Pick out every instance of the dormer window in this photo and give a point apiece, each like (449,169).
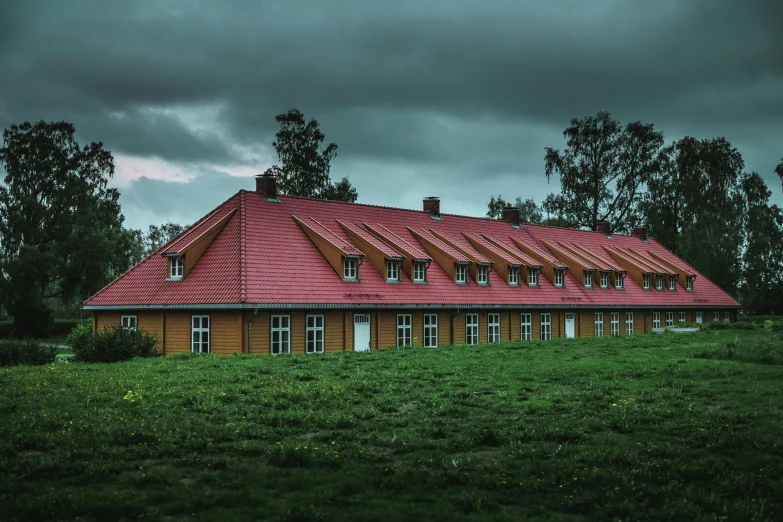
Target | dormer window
(532,277)
(659,282)
(513,276)
(461,275)
(646,281)
(419,272)
(483,274)
(588,279)
(349,269)
(689,283)
(619,280)
(392,271)
(176,267)
(604,279)
(559,277)
(673,282)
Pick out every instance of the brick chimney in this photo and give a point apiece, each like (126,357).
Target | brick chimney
(432,205)
(605,228)
(266,185)
(641,233)
(511,214)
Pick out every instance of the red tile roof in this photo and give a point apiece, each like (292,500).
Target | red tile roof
(262,258)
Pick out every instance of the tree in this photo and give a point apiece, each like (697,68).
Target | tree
(529,212)
(603,172)
(157,236)
(779,169)
(305,164)
(61,226)
(762,281)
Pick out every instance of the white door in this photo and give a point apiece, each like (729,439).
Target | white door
(361,332)
(569,331)
(698,317)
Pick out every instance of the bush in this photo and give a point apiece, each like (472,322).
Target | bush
(27,352)
(79,337)
(115,344)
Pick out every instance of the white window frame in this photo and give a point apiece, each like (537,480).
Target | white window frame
(513,276)
(461,274)
(629,330)
(315,333)
(588,279)
(614,324)
(350,269)
(681,318)
(482,275)
(646,281)
(176,267)
(471,328)
(129,322)
(598,324)
(392,271)
(656,319)
(532,277)
(280,334)
(658,282)
(672,283)
(669,318)
(727,317)
(200,346)
(604,279)
(404,330)
(430,330)
(619,280)
(493,328)
(546,326)
(559,277)
(419,272)
(715,316)
(689,283)
(526,326)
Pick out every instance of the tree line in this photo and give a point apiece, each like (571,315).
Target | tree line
(692,195)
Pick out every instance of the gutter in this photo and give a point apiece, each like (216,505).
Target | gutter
(405,306)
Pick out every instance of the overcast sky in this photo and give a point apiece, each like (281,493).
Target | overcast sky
(455,99)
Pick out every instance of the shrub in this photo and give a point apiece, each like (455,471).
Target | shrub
(115,344)
(25,352)
(79,337)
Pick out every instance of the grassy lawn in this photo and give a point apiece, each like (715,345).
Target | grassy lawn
(656,427)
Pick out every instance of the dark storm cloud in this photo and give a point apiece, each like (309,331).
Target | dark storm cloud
(452,87)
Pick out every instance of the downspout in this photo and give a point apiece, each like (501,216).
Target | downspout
(453,315)
(250,332)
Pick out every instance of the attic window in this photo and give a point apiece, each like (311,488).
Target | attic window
(604,279)
(176,267)
(646,281)
(513,276)
(588,279)
(659,282)
(461,275)
(419,272)
(559,277)
(532,277)
(619,280)
(392,271)
(672,282)
(349,269)
(689,283)
(483,274)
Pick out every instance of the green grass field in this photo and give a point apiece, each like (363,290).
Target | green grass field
(655,427)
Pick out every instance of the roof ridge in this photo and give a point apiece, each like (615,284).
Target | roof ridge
(242,250)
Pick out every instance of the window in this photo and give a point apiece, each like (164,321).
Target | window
(628,323)
(199,334)
(176,267)
(392,271)
(430,330)
(513,276)
(646,281)
(559,277)
(672,282)
(716,316)
(599,324)
(689,282)
(546,327)
(727,317)
(656,319)
(493,328)
(619,280)
(281,334)
(471,329)
(682,317)
(419,272)
(526,332)
(532,277)
(462,274)
(614,324)
(404,332)
(604,279)
(659,282)
(483,274)
(669,318)
(315,334)
(588,279)
(349,268)
(128,322)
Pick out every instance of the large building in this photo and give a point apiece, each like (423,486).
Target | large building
(267,273)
